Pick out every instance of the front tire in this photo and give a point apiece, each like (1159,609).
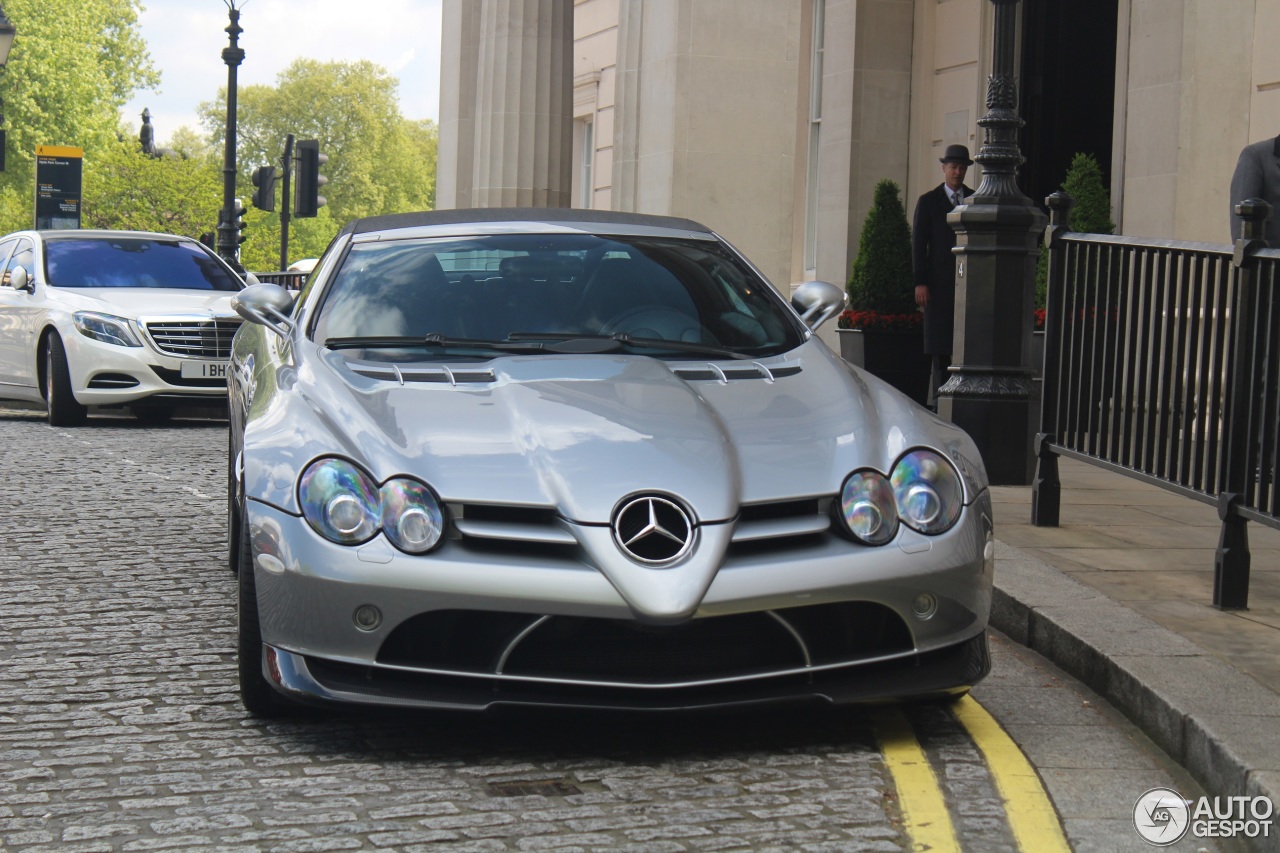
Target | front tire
(235,512)
(256,694)
(64,409)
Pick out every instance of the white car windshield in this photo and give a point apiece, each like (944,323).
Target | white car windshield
(511,288)
(134,262)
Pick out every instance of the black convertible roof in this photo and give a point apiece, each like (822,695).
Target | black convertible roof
(516,214)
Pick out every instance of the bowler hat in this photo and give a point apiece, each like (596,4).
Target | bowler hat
(956,154)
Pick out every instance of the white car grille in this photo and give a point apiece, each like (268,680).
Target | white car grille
(194,338)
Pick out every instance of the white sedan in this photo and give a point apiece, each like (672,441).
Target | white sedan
(113,318)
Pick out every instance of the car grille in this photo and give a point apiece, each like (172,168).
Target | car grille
(539,531)
(194,338)
(584,650)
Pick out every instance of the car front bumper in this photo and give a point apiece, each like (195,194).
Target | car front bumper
(105,374)
(369,624)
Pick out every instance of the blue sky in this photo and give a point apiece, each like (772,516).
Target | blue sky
(185,39)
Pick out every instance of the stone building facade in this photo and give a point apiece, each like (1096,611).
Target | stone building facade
(772,120)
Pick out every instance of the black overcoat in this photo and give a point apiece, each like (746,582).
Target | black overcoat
(933,265)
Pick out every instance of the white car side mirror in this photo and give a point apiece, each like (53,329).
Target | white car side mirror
(19,279)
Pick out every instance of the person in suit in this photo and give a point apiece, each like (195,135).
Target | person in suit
(1257,175)
(933,266)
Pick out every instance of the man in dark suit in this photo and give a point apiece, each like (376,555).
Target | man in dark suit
(933,266)
(1258,176)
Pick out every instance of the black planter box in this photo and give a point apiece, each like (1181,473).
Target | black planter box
(895,356)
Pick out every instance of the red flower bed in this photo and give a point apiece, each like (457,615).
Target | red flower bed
(875,320)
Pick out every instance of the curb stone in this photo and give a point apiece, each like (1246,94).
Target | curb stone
(1215,721)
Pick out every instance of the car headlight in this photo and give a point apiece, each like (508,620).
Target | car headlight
(106,328)
(411,515)
(340,501)
(927,491)
(343,504)
(867,508)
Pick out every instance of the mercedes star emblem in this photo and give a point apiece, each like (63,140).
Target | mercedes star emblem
(653,530)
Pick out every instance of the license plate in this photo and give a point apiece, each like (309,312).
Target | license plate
(204,370)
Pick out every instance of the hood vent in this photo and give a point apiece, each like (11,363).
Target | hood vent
(710,372)
(438,375)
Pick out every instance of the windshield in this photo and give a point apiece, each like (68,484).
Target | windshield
(634,291)
(134,262)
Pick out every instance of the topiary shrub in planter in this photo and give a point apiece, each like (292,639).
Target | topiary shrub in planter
(881,280)
(1091,213)
(882,332)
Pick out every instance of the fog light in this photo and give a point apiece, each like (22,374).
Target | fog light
(367,617)
(924,606)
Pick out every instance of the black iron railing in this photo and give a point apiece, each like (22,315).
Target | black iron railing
(1162,362)
(290,280)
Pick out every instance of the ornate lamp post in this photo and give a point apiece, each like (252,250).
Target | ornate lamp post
(7,32)
(991,392)
(233,55)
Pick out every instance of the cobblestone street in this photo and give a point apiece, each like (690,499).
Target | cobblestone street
(122,728)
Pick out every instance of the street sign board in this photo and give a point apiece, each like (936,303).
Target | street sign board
(58,183)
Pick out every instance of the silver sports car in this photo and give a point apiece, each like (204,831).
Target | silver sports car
(576,458)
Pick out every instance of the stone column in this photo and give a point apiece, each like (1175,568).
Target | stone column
(459,70)
(524,104)
(991,393)
(506,104)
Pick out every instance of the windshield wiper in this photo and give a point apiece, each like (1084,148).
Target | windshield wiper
(435,339)
(570,339)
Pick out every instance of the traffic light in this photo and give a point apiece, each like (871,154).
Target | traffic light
(237,222)
(264,197)
(306,196)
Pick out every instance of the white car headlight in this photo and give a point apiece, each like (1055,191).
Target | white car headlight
(106,328)
(867,508)
(411,515)
(340,501)
(343,504)
(927,491)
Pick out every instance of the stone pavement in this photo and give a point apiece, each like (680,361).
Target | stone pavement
(1120,597)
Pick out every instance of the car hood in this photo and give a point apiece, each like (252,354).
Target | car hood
(137,302)
(582,433)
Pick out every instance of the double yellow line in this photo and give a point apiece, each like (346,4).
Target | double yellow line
(927,820)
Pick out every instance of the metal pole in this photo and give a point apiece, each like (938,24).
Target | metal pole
(286,201)
(233,56)
(1232,561)
(991,391)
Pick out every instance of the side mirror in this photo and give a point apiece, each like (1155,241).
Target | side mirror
(250,279)
(19,279)
(267,305)
(817,302)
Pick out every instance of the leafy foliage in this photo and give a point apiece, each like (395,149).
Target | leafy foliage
(379,161)
(126,189)
(1091,213)
(881,279)
(74,64)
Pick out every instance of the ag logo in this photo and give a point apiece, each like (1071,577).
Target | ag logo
(1161,816)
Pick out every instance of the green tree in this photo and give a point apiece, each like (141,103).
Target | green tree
(190,143)
(1091,213)
(882,271)
(74,64)
(126,189)
(379,162)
